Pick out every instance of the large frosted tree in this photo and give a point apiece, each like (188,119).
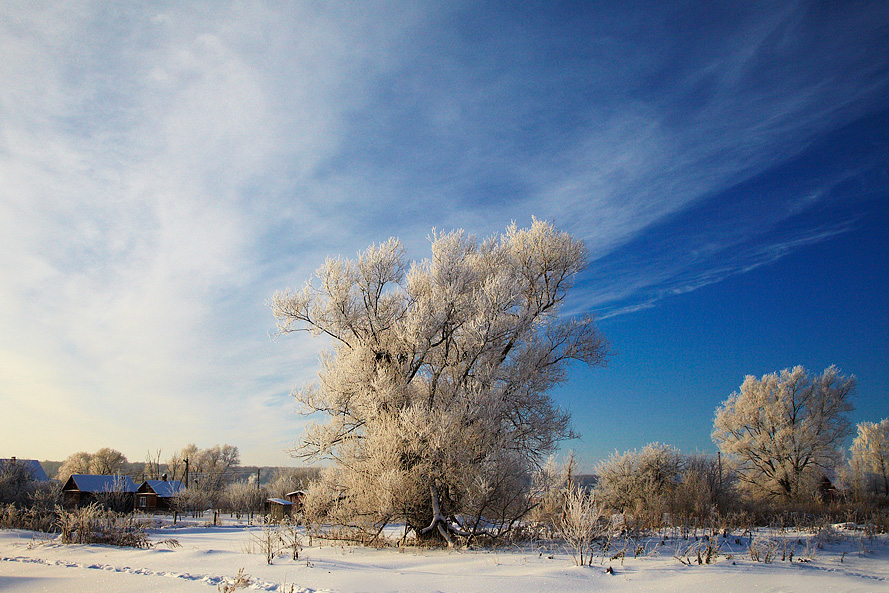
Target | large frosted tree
(436,391)
(785,427)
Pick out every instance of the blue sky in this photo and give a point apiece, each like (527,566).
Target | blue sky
(166,167)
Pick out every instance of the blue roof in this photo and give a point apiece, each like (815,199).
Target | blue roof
(91,483)
(164,488)
(33,466)
(281,501)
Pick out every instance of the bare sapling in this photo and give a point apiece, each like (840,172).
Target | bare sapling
(579,524)
(269,539)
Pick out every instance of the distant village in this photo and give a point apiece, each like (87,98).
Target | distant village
(192,487)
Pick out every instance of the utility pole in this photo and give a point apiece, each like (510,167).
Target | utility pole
(186,472)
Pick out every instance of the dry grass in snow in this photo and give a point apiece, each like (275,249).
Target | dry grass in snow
(209,559)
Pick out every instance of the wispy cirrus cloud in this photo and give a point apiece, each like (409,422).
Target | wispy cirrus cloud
(165,170)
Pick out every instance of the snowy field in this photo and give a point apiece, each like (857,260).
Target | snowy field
(208,557)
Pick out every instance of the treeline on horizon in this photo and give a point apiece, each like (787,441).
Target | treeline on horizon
(136,471)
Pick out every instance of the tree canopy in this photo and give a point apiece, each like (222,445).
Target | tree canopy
(105,461)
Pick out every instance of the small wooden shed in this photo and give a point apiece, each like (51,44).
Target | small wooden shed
(297,497)
(278,508)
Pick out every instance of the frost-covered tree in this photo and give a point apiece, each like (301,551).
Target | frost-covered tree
(580,523)
(243,498)
(76,463)
(286,480)
(707,482)
(212,467)
(108,462)
(176,462)
(870,452)
(16,482)
(639,482)
(193,500)
(208,469)
(152,466)
(436,391)
(785,427)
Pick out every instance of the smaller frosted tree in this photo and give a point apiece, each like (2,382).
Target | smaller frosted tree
(784,428)
(208,469)
(707,483)
(107,462)
(870,451)
(214,465)
(16,483)
(76,463)
(639,482)
(580,523)
(243,498)
(176,462)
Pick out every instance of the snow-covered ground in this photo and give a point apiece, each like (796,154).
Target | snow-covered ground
(208,556)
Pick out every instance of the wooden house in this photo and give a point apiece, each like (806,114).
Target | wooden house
(116,492)
(30,468)
(157,495)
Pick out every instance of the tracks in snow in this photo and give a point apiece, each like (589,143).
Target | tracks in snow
(212,580)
